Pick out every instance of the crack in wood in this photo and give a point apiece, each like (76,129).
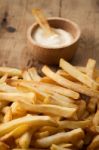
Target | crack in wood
(60,6)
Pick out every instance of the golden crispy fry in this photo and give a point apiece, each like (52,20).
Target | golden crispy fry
(57,147)
(12,97)
(90,68)
(10,71)
(42,134)
(26,76)
(71,136)
(58,89)
(66,75)
(54,101)
(48,80)
(77,74)
(3,78)
(92,105)
(74,124)
(96,118)
(69,84)
(7,88)
(25,139)
(50,109)
(33,74)
(17,110)
(35,121)
(17,132)
(8,115)
(94,144)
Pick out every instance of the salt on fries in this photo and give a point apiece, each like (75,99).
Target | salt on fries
(59,111)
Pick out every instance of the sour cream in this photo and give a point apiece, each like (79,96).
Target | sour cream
(61,38)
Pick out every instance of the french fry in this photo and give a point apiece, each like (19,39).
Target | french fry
(81,108)
(74,124)
(92,103)
(90,67)
(57,147)
(94,144)
(8,115)
(48,80)
(34,75)
(71,136)
(17,132)
(50,109)
(66,75)
(35,121)
(25,139)
(26,75)
(77,74)
(7,88)
(3,78)
(42,134)
(17,110)
(69,84)
(10,71)
(12,97)
(54,101)
(96,118)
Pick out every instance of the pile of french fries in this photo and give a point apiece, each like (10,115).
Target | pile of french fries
(59,111)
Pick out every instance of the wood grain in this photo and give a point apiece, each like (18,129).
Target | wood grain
(17,14)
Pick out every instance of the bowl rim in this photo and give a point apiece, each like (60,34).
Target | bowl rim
(29,35)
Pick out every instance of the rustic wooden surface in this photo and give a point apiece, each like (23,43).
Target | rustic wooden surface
(17,14)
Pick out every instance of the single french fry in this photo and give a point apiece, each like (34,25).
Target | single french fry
(66,75)
(90,67)
(69,84)
(17,132)
(50,109)
(8,115)
(81,108)
(92,103)
(57,147)
(17,110)
(43,22)
(7,88)
(25,139)
(3,78)
(73,71)
(34,75)
(26,76)
(35,121)
(71,136)
(17,96)
(14,77)
(67,124)
(66,145)
(42,134)
(96,118)
(94,144)
(46,79)
(97,79)
(10,71)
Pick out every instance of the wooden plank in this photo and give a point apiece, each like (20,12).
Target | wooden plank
(13,50)
(83,13)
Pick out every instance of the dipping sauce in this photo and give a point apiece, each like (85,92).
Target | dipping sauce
(55,41)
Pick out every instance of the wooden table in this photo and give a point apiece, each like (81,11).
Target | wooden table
(16,16)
